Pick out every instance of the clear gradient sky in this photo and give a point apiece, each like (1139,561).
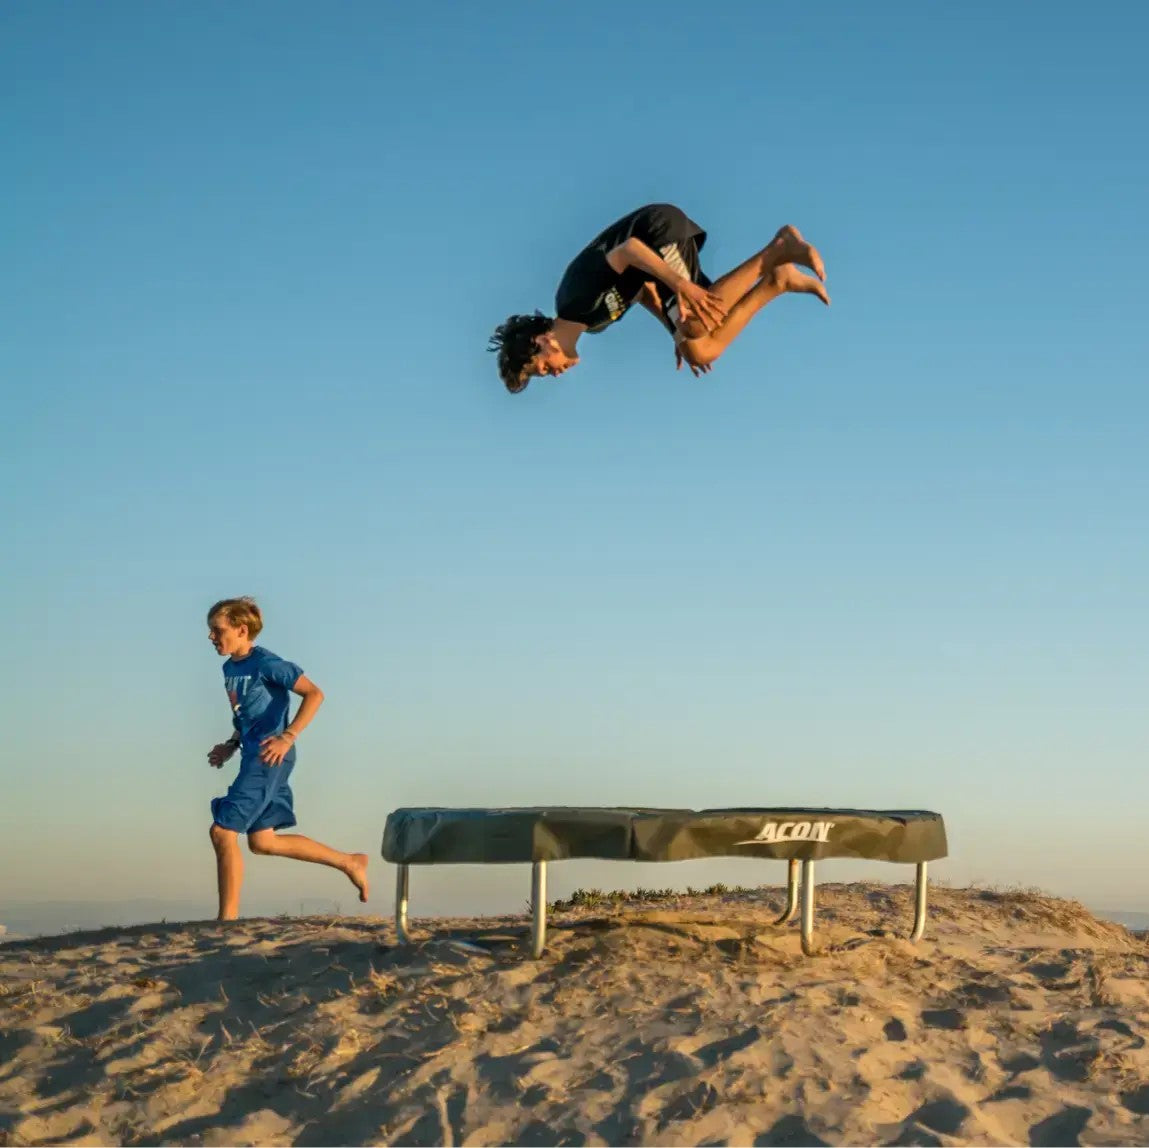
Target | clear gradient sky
(893,554)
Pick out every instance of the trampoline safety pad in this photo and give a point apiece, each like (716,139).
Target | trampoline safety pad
(538,835)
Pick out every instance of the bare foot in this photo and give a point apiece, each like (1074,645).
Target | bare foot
(357,871)
(797,250)
(789,278)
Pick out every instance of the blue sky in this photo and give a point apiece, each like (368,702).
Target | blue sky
(893,554)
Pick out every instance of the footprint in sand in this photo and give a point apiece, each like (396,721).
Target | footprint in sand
(792,1131)
(1137,1100)
(948,1018)
(1134,1040)
(1058,975)
(1067,1052)
(1060,1129)
(1023,1062)
(978,994)
(1012,1092)
(944,1116)
(1048,970)
(601,1081)
(695,1101)
(713,1052)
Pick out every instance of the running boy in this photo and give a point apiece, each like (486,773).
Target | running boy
(259,801)
(651,257)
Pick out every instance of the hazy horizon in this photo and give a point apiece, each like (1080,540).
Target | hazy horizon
(24,920)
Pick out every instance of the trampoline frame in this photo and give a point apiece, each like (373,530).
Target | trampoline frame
(806,899)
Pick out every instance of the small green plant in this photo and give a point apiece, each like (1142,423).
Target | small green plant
(597,898)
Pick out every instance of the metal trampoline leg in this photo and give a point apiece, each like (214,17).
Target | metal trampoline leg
(402,886)
(808,908)
(538,907)
(920,904)
(791,894)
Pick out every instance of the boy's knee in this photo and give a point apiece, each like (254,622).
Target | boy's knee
(261,841)
(220,836)
(701,352)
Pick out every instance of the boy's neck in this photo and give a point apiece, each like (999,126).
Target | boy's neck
(566,333)
(239,655)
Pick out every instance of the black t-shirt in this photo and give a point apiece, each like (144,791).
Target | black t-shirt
(591,292)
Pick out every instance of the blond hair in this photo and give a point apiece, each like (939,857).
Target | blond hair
(239,612)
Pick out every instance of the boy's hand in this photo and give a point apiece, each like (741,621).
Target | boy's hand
(272,750)
(698,303)
(220,753)
(705,369)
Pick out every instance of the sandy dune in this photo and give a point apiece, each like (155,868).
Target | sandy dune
(1020,1019)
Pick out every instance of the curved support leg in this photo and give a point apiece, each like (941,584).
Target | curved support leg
(538,908)
(920,904)
(791,894)
(808,908)
(402,886)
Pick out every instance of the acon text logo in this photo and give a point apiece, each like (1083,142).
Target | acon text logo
(774,831)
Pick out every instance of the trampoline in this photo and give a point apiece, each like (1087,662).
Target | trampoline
(799,836)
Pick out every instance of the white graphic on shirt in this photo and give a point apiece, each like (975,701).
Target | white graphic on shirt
(674,260)
(676,263)
(613,302)
(236,689)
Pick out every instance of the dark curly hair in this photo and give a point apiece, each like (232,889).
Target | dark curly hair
(514,341)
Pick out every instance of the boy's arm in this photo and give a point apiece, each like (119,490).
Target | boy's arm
(275,748)
(634,253)
(312,697)
(218,754)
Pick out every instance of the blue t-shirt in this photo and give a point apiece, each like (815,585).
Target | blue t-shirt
(259,689)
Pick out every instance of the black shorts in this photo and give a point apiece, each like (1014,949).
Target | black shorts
(682,255)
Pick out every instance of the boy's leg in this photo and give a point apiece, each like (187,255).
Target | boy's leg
(229,870)
(704,349)
(787,246)
(301,848)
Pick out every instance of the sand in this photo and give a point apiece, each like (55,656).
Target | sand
(1019,1019)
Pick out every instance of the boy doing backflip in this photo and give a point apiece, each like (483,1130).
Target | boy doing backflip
(651,257)
(259,801)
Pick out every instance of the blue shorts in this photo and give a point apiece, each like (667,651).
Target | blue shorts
(259,798)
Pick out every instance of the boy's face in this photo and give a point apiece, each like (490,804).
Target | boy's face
(549,360)
(226,638)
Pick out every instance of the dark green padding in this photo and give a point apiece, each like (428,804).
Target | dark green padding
(491,836)
(806,833)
